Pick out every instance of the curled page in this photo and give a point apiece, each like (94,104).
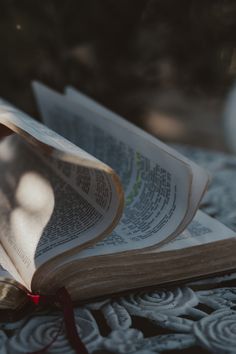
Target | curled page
(55,196)
(160,185)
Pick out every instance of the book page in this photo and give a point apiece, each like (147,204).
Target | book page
(157,185)
(7,268)
(43,138)
(200,177)
(49,206)
(203,229)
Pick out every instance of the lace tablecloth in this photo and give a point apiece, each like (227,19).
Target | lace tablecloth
(199,317)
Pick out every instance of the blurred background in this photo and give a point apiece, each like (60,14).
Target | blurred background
(167,66)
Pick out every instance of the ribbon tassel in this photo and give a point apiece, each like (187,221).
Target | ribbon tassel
(63,298)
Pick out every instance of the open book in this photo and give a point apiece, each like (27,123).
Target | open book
(91,202)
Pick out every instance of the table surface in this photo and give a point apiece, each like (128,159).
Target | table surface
(199,317)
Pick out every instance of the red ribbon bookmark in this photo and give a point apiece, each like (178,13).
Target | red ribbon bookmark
(63,298)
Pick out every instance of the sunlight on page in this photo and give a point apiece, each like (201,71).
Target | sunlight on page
(35,199)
